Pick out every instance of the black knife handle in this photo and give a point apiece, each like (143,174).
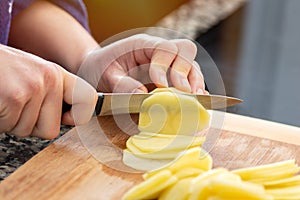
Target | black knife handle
(66,107)
(99,103)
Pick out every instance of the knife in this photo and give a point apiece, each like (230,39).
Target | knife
(121,103)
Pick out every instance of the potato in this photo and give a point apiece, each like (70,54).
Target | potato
(161,143)
(151,188)
(169,112)
(158,155)
(142,164)
(179,191)
(188,172)
(285,193)
(285,182)
(221,184)
(269,172)
(194,157)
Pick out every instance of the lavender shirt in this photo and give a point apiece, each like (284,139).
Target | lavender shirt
(10,8)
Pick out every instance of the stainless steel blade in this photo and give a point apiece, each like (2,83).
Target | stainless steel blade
(121,103)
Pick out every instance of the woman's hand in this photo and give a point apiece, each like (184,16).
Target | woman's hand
(129,64)
(32,92)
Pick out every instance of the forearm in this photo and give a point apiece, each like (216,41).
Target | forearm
(49,32)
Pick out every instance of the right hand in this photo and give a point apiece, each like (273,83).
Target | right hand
(31,94)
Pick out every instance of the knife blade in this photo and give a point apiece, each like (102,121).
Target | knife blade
(121,103)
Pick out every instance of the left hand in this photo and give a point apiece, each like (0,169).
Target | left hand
(130,64)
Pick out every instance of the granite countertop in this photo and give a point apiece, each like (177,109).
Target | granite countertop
(192,19)
(15,151)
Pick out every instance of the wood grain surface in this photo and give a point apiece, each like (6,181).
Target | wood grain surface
(85,163)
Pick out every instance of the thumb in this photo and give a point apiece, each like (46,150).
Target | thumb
(81,96)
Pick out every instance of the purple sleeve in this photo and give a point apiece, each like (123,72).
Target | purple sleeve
(75,7)
(5,18)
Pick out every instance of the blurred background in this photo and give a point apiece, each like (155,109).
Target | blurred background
(255,44)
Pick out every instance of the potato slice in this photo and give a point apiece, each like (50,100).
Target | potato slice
(158,155)
(148,134)
(199,184)
(160,143)
(142,164)
(151,188)
(227,188)
(292,181)
(188,172)
(221,184)
(194,157)
(179,191)
(278,175)
(285,193)
(169,112)
(269,172)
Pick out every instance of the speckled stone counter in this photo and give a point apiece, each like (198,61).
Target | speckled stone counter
(192,19)
(16,151)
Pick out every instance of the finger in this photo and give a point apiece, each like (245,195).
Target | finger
(196,79)
(121,83)
(28,118)
(48,123)
(162,58)
(10,112)
(81,96)
(182,65)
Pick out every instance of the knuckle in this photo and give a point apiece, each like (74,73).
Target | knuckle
(35,86)
(19,97)
(52,75)
(167,46)
(187,49)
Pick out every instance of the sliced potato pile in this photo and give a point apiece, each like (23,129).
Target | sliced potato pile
(147,152)
(189,164)
(178,169)
(190,181)
(163,134)
(278,179)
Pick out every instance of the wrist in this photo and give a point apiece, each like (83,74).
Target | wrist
(74,63)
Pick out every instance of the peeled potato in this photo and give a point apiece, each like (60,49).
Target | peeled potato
(269,172)
(160,143)
(238,190)
(142,164)
(188,172)
(158,155)
(285,193)
(285,182)
(151,188)
(199,184)
(179,191)
(222,184)
(194,158)
(169,112)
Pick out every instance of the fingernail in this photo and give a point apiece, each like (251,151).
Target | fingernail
(200,91)
(138,91)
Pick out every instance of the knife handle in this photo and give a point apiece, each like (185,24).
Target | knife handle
(66,107)
(99,103)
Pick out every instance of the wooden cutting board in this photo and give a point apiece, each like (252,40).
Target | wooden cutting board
(68,170)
